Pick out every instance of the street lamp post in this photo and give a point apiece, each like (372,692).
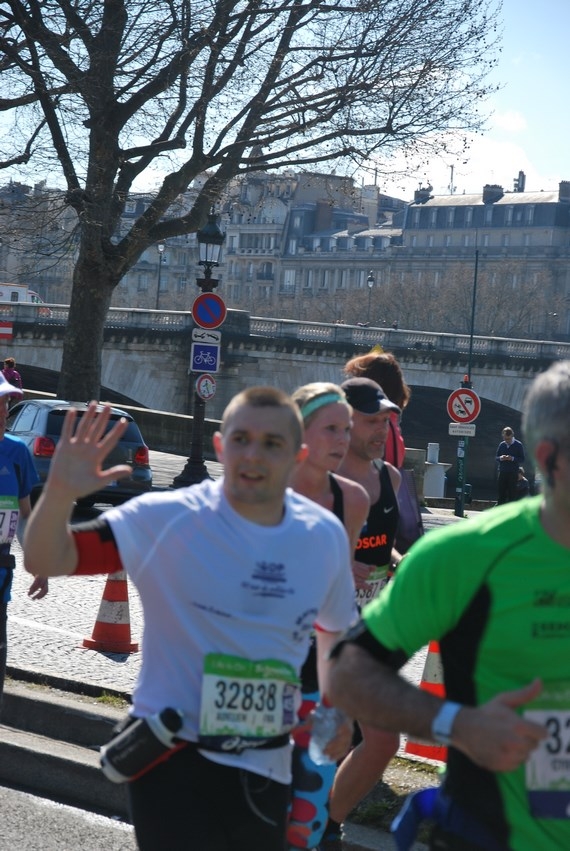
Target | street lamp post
(160,248)
(370,284)
(210,239)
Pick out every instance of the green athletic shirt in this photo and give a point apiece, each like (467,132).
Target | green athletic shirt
(495,592)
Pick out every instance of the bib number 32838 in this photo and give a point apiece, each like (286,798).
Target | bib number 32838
(249,701)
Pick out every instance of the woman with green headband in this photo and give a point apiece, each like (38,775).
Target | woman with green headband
(327,420)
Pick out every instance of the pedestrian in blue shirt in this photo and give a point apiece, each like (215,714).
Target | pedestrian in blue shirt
(17,478)
(510,455)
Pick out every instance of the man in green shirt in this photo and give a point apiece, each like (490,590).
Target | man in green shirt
(495,593)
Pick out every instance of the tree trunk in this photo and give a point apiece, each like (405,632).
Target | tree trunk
(80,376)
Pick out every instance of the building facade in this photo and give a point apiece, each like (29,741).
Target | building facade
(313,246)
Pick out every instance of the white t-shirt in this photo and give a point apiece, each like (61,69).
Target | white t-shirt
(212,582)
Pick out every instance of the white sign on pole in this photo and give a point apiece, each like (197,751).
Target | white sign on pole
(202,335)
(462,429)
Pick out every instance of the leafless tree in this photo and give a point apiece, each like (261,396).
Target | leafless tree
(109,94)
(512,299)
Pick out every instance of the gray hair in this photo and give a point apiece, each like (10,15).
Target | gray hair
(546,409)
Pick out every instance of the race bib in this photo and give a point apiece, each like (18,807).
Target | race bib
(9,513)
(377,580)
(246,703)
(548,766)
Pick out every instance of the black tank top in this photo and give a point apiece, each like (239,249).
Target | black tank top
(338,499)
(376,539)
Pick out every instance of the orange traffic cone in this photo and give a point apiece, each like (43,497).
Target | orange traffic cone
(432,681)
(112,631)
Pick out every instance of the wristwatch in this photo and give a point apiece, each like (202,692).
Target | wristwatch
(442,724)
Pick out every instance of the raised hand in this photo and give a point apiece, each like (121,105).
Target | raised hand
(76,468)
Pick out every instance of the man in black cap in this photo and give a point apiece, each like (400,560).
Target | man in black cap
(365,764)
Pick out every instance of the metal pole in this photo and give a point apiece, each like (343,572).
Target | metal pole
(463,442)
(370,284)
(160,250)
(473,303)
(195,469)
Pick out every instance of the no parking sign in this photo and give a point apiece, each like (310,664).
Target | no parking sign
(209,310)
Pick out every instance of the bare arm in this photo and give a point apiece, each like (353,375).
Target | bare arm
(396,479)
(75,471)
(356,508)
(325,643)
(39,586)
(493,735)
(339,746)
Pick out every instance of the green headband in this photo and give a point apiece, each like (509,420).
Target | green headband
(320,401)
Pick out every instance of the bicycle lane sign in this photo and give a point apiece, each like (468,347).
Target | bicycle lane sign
(204,357)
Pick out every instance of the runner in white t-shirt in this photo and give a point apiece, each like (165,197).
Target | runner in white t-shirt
(233,576)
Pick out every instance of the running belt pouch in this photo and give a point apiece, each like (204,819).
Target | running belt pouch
(134,750)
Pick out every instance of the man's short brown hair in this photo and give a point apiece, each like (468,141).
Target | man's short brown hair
(267,397)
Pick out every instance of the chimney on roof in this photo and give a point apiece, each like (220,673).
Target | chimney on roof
(323,217)
(564,190)
(492,192)
(423,194)
(520,182)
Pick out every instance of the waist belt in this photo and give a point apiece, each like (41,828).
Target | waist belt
(238,744)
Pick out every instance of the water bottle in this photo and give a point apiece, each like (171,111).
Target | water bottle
(326,720)
(140,745)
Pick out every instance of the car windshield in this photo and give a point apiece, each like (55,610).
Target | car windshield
(56,417)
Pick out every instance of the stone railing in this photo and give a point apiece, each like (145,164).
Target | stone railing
(402,339)
(303,332)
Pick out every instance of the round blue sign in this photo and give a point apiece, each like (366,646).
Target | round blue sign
(209,310)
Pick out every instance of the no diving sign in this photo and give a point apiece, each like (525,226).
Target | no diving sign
(464,405)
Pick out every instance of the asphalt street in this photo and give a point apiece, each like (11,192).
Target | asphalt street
(30,823)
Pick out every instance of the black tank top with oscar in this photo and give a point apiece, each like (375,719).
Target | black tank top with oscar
(376,538)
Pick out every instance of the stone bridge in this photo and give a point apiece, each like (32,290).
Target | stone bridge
(146,358)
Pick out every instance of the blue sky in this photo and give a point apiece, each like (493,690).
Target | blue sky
(529,128)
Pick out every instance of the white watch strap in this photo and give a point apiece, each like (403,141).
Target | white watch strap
(442,724)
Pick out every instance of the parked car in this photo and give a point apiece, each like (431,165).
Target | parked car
(38,423)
